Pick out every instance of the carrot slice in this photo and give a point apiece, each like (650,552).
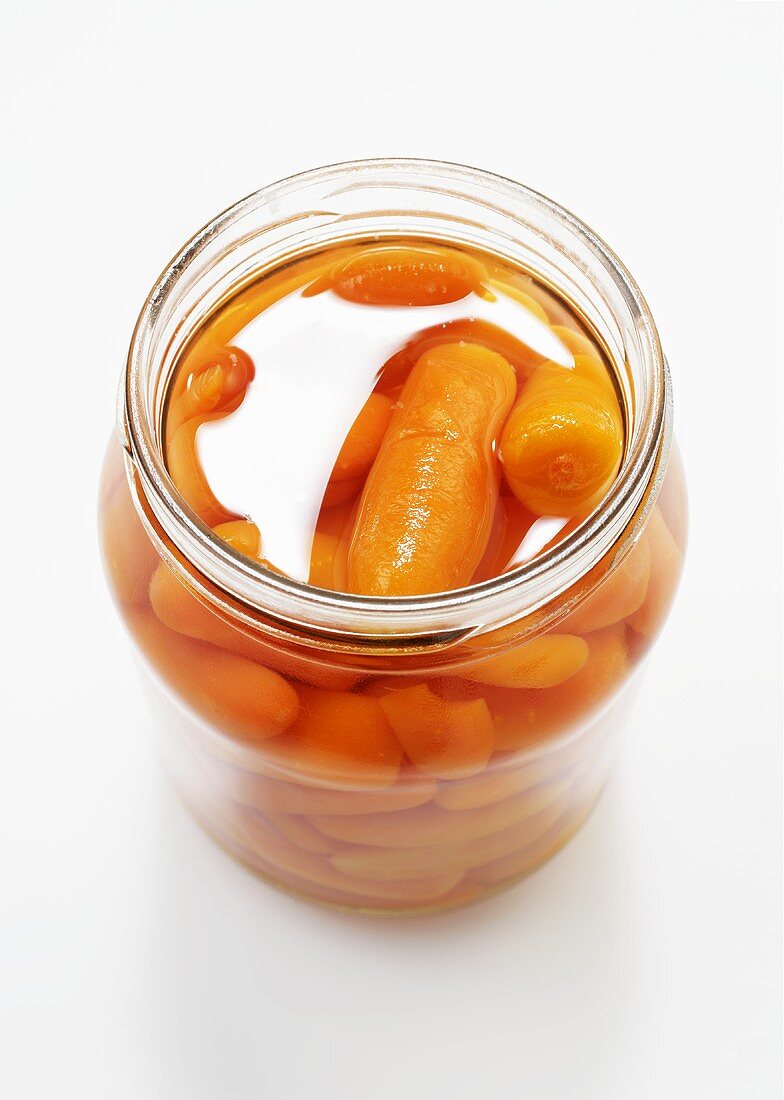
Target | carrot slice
(426,512)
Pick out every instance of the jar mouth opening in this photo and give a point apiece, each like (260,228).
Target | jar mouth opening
(513,594)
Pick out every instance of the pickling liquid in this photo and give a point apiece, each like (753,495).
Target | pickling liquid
(393,419)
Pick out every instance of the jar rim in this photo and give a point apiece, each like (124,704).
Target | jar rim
(435,618)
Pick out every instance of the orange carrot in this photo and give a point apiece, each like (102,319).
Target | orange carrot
(213,388)
(562,444)
(442,738)
(343,737)
(178,608)
(539,663)
(238,696)
(394,276)
(364,439)
(426,512)
(618,596)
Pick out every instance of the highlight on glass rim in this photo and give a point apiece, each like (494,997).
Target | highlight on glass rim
(393,515)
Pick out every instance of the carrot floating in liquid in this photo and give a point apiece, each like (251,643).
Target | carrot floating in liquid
(525,717)
(426,512)
(394,276)
(214,388)
(278,796)
(562,444)
(364,439)
(182,460)
(242,535)
(470,331)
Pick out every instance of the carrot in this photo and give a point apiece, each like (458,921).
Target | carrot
(213,388)
(539,663)
(380,865)
(279,796)
(364,439)
(178,608)
(242,535)
(253,840)
(619,595)
(394,276)
(343,737)
(468,330)
(239,697)
(182,461)
(441,738)
(562,444)
(524,717)
(426,511)
(430,826)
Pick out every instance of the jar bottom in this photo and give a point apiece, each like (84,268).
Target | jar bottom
(465,894)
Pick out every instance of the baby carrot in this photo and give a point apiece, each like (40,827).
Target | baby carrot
(426,511)
(178,608)
(342,737)
(185,469)
(364,439)
(618,596)
(213,388)
(562,443)
(240,696)
(441,738)
(539,663)
(393,276)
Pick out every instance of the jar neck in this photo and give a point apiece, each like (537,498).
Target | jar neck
(392,199)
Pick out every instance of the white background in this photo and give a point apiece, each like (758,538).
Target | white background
(643,963)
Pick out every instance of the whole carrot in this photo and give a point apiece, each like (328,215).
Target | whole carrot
(426,511)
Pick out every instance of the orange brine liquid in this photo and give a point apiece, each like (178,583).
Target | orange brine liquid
(393,419)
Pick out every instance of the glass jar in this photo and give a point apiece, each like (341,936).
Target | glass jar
(402,754)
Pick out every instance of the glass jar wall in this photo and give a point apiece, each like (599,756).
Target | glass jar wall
(399,754)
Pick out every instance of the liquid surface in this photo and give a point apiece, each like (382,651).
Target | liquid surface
(394,419)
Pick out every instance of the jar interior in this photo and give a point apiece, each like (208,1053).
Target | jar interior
(386,201)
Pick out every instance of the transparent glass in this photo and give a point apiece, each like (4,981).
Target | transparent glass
(400,754)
